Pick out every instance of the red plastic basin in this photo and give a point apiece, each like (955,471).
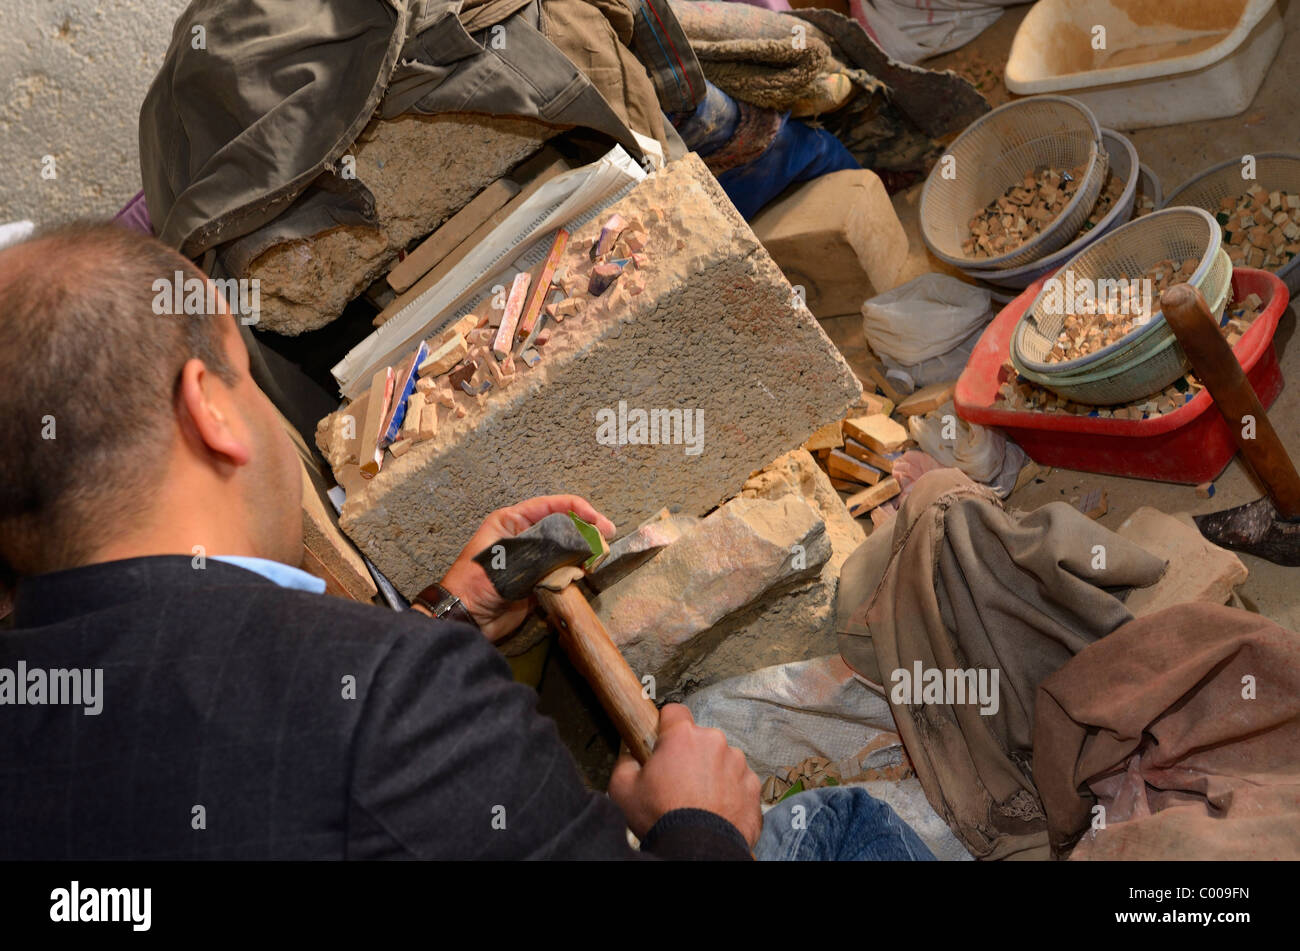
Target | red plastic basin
(1191,444)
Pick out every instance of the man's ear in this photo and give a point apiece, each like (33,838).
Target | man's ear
(206,400)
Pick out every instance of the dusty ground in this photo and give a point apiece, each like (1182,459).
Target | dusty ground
(1175,153)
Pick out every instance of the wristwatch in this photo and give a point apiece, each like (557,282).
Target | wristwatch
(444,605)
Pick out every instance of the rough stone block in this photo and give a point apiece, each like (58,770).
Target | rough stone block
(421,170)
(795,622)
(838,237)
(663,615)
(718,332)
(1198,569)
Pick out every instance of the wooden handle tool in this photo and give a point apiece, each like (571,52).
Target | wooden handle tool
(1214,363)
(588,645)
(548,558)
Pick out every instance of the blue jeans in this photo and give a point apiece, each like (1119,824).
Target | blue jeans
(837,824)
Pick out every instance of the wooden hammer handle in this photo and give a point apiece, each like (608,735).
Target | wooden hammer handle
(585,640)
(1213,361)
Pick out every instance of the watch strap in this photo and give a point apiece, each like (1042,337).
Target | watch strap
(444,605)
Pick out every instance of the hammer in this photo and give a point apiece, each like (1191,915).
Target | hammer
(1268,527)
(548,558)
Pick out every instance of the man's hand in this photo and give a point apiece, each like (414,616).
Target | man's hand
(467,580)
(691,767)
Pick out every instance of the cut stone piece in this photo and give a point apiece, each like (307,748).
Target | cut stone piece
(927,399)
(639,546)
(609,233)
(883,462)
(717,318)
(863,502)
(876,432)
(420,170)
(1199,570)
(428,425)
(445,357)
(659,616)
(505,338)
(839,237)
(338,436)
(830,436)
(873,404)
(602,276)
(381,393)
(411,421)
(843,466)
(463,373)
(460,328)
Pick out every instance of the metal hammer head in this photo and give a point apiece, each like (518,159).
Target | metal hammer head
(516,565)
(1255,528)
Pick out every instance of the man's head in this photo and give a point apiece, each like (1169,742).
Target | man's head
(125,432)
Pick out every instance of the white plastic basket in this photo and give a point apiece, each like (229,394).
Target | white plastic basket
(995,152)
(1184,62)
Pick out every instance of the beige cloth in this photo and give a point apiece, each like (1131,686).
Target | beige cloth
(596,36)
(957,582)
(1155,724)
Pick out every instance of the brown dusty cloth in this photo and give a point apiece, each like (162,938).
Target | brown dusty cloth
(1152,723)
(895,116)
(770,73)
(240,142)
(957,582)
(597,37)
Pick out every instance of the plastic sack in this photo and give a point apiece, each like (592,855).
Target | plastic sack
(907,377)
(924,318)
(911,30)
(983,454)
(779,716)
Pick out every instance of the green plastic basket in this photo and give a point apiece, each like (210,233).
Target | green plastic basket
(1146,368)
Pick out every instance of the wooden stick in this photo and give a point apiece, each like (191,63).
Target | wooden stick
(585,640)
(1214,362)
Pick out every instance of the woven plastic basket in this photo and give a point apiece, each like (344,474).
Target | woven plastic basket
(1124,254)
(1146,368)
(993,154)
(1274,171)
(1122,160)
(1148,184)
(1128,351)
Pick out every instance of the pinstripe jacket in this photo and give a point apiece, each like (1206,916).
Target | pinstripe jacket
(240,720)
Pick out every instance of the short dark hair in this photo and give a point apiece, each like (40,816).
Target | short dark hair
(85,359)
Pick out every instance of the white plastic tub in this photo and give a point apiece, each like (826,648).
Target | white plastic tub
(1164,61)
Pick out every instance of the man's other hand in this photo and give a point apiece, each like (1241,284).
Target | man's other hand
(467,580)
(692,767)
